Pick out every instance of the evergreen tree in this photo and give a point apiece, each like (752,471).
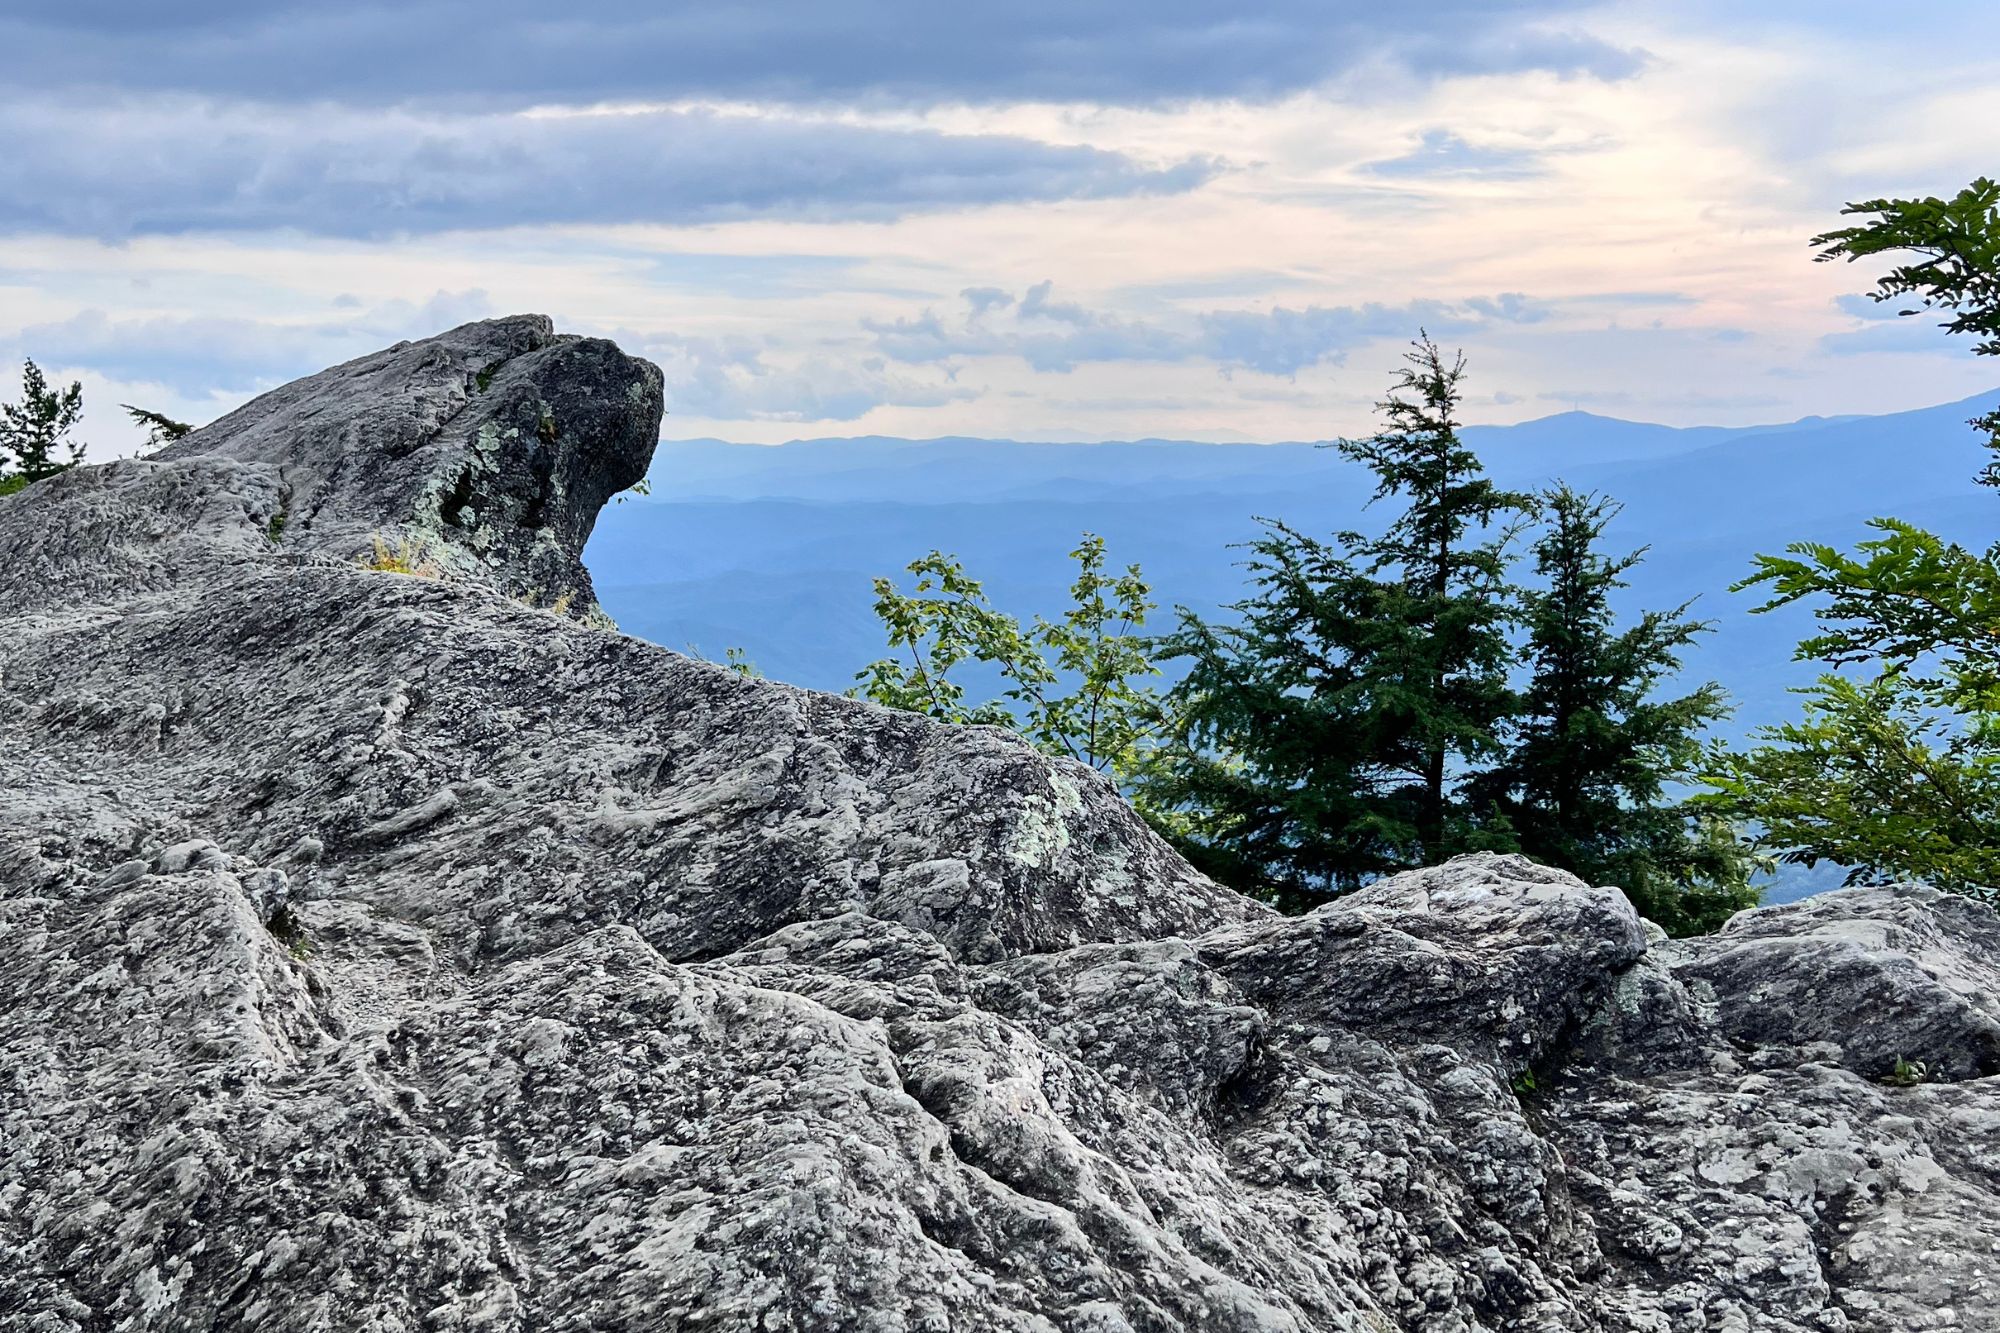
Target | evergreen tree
(1584,785)
(1325,735)
(35,431)
(1448,613)
(160,428)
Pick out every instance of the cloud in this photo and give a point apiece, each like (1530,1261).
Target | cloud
(983,299)
(1631,300)
(123,167)
(728,379)
(1915,335)
(1690,399)
(203,356)
(723,377)
(1860,306)
(524,52)
(1035,304)
(1891,326)
(1058,336)
(1443,153)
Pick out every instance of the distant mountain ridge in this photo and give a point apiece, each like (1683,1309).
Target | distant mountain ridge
(771,548)
(876,467)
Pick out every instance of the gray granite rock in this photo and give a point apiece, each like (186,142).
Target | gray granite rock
(487,450)
(394,952)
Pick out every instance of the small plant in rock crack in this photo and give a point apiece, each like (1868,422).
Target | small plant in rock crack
(1524,1084)
(733,659)
(1907,1073)
(275,529)
(406,558)
(289,931)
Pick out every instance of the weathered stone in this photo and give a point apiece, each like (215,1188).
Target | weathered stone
(381,952)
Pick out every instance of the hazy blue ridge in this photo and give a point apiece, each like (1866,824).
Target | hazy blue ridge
(772,548)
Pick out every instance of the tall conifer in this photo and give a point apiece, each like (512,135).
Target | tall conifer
(1586,783)
(1328,731)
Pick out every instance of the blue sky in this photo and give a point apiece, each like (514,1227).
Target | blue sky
(1046,220)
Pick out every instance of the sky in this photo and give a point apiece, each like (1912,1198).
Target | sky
(1052,219)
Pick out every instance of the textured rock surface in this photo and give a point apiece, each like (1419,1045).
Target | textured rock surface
(385,953)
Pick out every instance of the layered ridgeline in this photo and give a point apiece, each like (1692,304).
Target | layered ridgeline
(772,549)
(388,944)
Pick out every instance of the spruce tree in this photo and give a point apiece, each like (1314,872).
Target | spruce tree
(161,429)
(1276,781)
(1326,735)
(1445,659)
(1585,783)
(35,431)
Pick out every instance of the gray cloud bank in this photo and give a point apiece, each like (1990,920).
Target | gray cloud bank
(1059,336)
(518,52)
(133,167)
(204,355)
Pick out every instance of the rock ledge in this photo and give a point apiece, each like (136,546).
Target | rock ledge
(382,952)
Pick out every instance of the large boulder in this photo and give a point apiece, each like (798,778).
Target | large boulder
(487,450)
(408,950)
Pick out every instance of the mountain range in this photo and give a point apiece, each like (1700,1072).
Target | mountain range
(772,548)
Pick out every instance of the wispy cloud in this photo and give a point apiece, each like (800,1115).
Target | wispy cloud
(1052,335)
(1915,336)
(845,210)
(732,379)
(197,356)
(1443,153)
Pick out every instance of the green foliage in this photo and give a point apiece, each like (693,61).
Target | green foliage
(160,430)
(275,529)
(1323,737)
(1075,686)
(734,659)
(1879,776)
(1288,781)
(1584,782)
(1956,242)
(34,433)
(1896,776)
(1355,716)
(9,485)
(1907,600)
(1524,1084)
(1907,1073)
(1955,266)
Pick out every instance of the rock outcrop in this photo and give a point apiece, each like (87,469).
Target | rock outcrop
(387,951)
